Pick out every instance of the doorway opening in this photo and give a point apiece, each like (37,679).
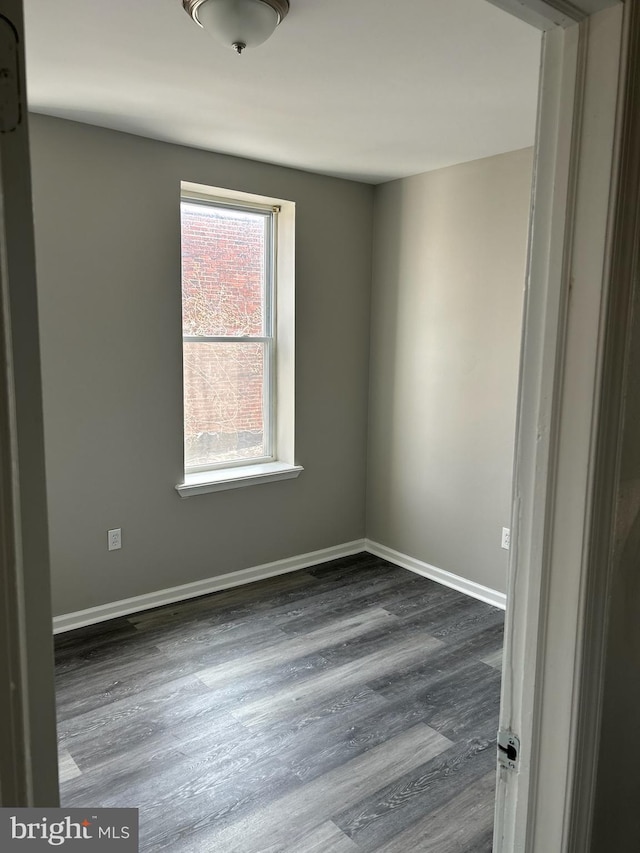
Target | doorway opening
(574,196)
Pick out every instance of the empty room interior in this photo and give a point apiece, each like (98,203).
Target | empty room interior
(280,301)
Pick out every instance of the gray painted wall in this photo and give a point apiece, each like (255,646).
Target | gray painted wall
(448,278)
(108,256)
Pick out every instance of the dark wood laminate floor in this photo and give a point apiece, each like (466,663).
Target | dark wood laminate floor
(352,707)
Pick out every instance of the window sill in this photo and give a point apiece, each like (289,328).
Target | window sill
(235,478)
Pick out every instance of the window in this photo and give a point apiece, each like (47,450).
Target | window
(236,297)
(228,341)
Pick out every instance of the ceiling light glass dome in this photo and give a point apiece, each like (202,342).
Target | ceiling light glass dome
(239,24)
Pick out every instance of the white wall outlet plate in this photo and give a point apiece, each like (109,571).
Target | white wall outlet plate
(114,539)
(506,538)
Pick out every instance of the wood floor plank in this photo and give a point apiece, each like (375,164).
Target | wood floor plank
(108,722)
(189,727)
(493,659)
(381,591)
(313,755)
(488,640)
(326,838)
(79,648)
(455,827)
(67,768)
(465,625)
(430,597)
(437,696)
(288,818)
(127,776)
(194,798)
(262,686)
(463,646)
(137,671)
(207,643)
(444,669)
(263,591)
(458,717)
(483,844)
(337,632)
(385,813)
(336,681)
(359,567)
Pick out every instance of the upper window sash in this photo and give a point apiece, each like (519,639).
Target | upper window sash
(270,213)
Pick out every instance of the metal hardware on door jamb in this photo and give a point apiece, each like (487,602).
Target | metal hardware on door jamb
(508,750)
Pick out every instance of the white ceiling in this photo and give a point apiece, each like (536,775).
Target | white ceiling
(368,89)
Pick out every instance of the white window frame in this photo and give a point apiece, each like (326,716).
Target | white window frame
(279,391)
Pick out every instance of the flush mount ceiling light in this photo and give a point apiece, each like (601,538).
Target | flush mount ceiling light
(238,23)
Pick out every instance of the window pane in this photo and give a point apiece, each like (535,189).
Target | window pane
(224,409)
(223,271)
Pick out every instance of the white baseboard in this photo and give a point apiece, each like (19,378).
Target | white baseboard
(82,618)
(93,615)
(475,590)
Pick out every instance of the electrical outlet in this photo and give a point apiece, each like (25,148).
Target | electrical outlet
(506,538)
(114,539)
